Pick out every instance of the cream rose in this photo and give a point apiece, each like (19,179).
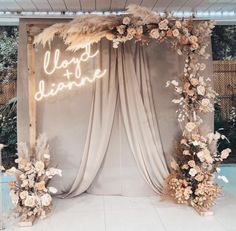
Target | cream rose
(175,32)
(178,24)
(163,25)
(191,163)
(193,39)
(154,33)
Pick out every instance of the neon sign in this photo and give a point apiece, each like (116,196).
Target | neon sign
(52,63)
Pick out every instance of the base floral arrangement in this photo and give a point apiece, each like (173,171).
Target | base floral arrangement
(30,192)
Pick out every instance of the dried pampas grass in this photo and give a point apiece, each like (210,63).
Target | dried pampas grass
(146,15)
(80,31)
(49,33)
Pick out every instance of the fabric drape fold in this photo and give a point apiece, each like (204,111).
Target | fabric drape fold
(139,116)
(127,78)
(100,126)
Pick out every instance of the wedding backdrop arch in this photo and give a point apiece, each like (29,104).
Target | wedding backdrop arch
(196,159)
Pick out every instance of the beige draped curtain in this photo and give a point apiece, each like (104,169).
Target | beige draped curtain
(128,82)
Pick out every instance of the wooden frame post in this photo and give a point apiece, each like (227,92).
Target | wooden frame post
(31,93)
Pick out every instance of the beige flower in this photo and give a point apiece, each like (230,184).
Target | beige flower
(126,20)
(175,32)
(178,24)
(194,81)
(40,186)
(163,25)
(194,46)
(225,153)
(205,102)
(199,177)
(52,190)
(185,166)
(131,31)
(201,90)
(39,166)
(191,163)
(193,39)
(190,126)
(200,156)
(154,33)
(30,201)
(23,195)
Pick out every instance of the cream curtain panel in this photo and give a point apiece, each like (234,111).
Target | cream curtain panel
(128,81)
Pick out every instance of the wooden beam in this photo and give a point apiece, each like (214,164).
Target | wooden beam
(31,92)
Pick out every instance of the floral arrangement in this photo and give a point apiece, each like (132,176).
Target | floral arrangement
(197,157)
(30,192)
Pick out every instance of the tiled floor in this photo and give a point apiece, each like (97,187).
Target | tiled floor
(114,213)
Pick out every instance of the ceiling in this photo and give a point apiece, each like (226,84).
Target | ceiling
(116,5)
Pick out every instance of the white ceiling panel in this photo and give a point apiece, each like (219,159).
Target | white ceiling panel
(176,5)
(161,5)
(150,4)
(27,5)
(103,5)
(10,5)
(73,5)
(137,2)
(42,5)
(58,5)
(118,4)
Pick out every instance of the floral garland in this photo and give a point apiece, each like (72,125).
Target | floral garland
(30,192)
(197,159)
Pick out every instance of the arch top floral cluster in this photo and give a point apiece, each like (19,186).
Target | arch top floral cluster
(197,158)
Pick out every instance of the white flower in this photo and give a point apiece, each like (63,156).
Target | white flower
(175,32)
(190,126)
(52,190)
(126,20)
(192,172)
(175,83)
(154,33)
(30,201)
(201,90)
(24,183)
(225,153)
(14,197)
(53,171)
(115,44)
(194,81)
(46,199)
(223,178)
(205,102)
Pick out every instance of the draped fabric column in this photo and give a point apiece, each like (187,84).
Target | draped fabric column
(100,124)
(139,116)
